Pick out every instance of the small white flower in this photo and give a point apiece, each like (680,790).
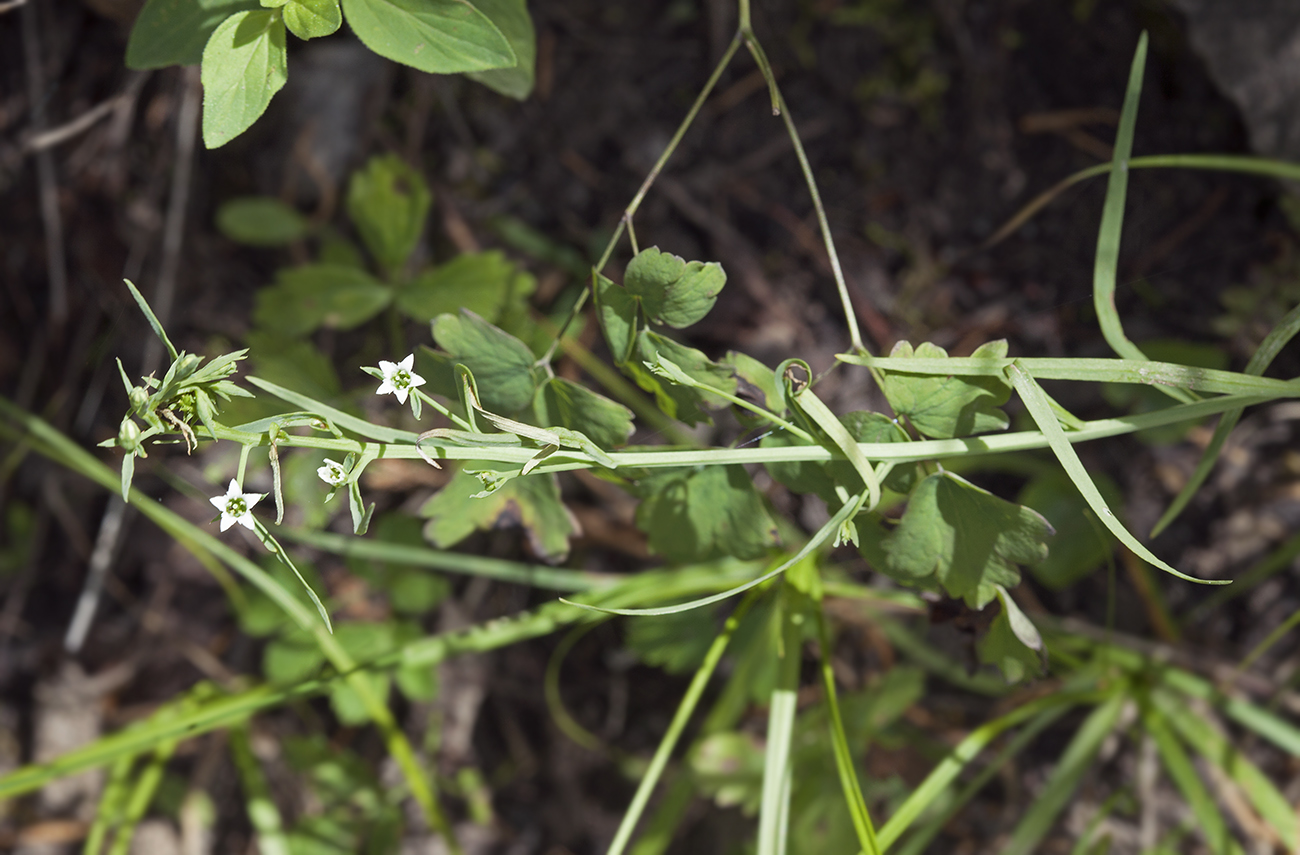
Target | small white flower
(236,507)
(332,473)
(399,378)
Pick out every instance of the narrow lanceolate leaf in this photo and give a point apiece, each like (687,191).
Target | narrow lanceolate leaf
(511,18)
(311,19)
(244,64)
(1037,405)
(437,36)
(173,32)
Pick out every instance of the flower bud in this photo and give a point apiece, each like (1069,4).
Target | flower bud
(128,435)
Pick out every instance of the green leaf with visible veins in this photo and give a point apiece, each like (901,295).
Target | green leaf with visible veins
(316,295)
(388,201)
(965,537)
(563,403)
(244,65)
(437,36)
(532,503)
(479,281)
(684,403)
(697,515)
(173,32)
(953,406)
(1012,643)
(511,18)
(312,19)
(502,365)
(618,318)
(673,291)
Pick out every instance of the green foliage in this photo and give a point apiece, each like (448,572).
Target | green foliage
(944,407)
(261,221)
(241,45)
(705,513)
(531,503)
(962,538)
(388,202)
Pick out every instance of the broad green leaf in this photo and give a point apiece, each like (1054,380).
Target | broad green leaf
(677,643)
(173,32)
(260,221)
(967,538)
(697,515)
(532,503)
(437,36)
(755,382)
(511,18)
(294,363)
(618,318)
(673,291)
(1079,545)
(1012,642)
(692,296)
(567,404)
(244,64)
(946,407)
(681,402)
(315,295)
(388,202)
(480,282)
(502,364)
(291,658)
(312,19)
(363,641)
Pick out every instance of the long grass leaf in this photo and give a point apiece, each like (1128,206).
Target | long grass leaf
(942,776)
(1183,774)
(778,765)
(1036,402)
(334,415)
(154,323)
(1262,358)
(821,536)
(1076,760)
(685,709)
(1272,805)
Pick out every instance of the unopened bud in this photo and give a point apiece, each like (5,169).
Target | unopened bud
(128,435)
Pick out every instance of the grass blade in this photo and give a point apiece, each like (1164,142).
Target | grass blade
(154,323)
(1180,769)
(1262,358)
(1038,406)
(778,766)
(1064,780)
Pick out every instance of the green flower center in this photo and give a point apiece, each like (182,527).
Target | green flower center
(236,506)
(401,379)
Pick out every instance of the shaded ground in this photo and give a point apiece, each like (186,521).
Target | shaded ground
(927,126)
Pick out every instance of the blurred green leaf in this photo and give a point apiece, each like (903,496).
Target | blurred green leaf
(1080,544)
(312,19)
(511,18)
(502,365)
(532,503)
(700,514)
(967,538)
(1010,645)
(244,65)
(316,295)
(291,658)
(437,36)
(676,642)
(728,767)
(952,406)
(480,281)
(260,221)
(294,364)
(363,641)
(173,32)
(388,202)
(563,403)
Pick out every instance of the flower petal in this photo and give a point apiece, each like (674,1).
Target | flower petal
(407,363)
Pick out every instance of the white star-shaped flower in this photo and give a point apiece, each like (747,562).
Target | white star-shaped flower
(236,507)
(399,378)
(332,473)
